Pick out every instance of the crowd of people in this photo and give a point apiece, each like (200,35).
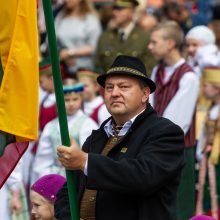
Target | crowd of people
(141,84)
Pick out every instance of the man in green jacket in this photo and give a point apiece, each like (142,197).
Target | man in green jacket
(125,38)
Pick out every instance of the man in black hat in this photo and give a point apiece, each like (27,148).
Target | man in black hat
(129,168)
(126,37)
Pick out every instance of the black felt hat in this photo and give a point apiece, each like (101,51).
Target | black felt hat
(129,66)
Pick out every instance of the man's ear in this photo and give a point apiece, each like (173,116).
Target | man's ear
(146,91)
(171,44)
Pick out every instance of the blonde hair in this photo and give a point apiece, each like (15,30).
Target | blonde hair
(171,30)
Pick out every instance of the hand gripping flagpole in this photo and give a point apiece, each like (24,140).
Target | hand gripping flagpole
(70,175)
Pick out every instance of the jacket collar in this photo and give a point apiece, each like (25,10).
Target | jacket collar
(100,138)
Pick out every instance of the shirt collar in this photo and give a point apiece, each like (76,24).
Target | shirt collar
(127,30)
(125,128)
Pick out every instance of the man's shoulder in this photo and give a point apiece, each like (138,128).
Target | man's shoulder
(152,121)
(139,30)
(110,33)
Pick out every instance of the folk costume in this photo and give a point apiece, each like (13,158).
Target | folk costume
(95,108)
(47,112)
(175,98)
(208,150)
(206,55)
(80,127)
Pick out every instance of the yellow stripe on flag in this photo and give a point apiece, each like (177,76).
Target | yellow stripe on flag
(19,55)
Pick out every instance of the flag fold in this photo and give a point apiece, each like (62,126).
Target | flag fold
(19,84)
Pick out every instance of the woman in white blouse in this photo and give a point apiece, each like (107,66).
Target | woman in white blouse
(78,29)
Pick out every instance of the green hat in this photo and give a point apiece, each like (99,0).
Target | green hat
(91,72)
(45,67)
(125,3)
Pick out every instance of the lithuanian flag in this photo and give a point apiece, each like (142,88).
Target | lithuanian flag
(18,81)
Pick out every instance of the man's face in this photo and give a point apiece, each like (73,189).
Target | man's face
(124,97)
(122,16)
(158,45)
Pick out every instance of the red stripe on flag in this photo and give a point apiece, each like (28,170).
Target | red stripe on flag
(12,154)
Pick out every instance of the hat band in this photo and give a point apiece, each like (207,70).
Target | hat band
(124,4)
(125,69)
(46,71)
(77,88)
(212,75)
(89,74)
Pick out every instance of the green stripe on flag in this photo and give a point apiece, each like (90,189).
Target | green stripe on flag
(2,135)
(5,139)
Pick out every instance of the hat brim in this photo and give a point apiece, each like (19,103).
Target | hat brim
(102,78)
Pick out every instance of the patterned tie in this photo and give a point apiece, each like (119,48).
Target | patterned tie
(116,128)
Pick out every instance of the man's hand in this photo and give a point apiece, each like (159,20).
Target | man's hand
(72,158)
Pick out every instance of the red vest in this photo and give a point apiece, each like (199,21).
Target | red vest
(166,91)
(94,114)
(47,114)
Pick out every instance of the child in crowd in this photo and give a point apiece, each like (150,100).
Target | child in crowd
(47,112)
(43,196)
(93,102)
(80,127)
(208,148)
(48,103)
(201,50)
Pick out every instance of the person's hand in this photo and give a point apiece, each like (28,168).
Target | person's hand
(15,202)
(72,158)
(208,148)
(64,54)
